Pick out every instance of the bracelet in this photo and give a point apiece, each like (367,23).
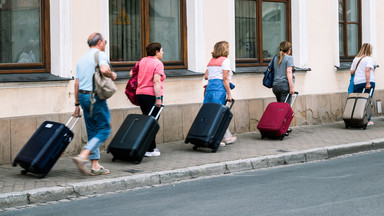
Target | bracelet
(77,104)
(158,98)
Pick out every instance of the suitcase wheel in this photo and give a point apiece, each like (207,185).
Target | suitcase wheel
(136,162)
(346,126)
(365,126)
(194,148)
(113,159)
(41,176)
(24,172)
(282,137)
(214,150)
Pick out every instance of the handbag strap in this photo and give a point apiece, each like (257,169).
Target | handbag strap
(358,63)
(93,100)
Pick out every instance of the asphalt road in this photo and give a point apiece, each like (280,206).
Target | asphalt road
(351,185)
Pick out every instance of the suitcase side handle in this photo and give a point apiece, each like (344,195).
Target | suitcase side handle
(158,113)
(294,98)
(73,125)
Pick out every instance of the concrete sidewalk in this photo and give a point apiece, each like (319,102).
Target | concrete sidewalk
(179,162)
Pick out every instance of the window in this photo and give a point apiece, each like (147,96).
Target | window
(134,24)
(349,28)
(24,36)
(260,27)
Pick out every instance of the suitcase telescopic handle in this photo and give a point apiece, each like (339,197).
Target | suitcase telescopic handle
(294,98)
(158,113)
(370,92)
(73,125)
(232,102)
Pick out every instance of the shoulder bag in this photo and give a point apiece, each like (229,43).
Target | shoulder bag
(105,87)
(269,75)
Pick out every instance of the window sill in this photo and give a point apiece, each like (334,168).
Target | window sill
(347,66)
(31,77)
(261,69)
(168,73)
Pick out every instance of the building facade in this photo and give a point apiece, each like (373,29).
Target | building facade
(41,41)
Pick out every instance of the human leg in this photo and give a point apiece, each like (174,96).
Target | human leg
(146,104)
(98,130)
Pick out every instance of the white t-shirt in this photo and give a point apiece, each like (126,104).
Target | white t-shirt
(216,72)
(367,61)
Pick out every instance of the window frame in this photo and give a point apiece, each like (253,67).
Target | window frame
(261,61)
(182,64)
(45,65)
(345,23)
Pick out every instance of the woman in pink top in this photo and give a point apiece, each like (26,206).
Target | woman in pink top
(150,85)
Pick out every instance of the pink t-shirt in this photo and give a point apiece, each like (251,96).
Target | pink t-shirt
(148,67)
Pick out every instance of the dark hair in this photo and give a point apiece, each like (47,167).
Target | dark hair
(95,39)
(152,48)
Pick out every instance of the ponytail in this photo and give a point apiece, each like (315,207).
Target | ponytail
(281,56)
(284,48)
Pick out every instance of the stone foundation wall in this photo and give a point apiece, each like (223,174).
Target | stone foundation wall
(176,120)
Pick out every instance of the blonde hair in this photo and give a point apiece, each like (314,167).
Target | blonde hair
(365,50)
(221,48)
(285,46)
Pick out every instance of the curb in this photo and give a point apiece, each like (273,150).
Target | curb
(75,190)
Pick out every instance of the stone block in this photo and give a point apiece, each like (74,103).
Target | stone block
(316,154)
(378,144)
(43,195)
(142,180)
(256,110)
(189,113)
(76,144)
(294,158)
(299,109)
(8,200)
(208,170)
(335,151)
(259,163)
(22,129)
(336,106)
(98,187)
(166,177)
(239,166)
(241,116)
(5,141)
(173,122)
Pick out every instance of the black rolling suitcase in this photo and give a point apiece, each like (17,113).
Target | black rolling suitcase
(44,148)
(209,126)
(134,137)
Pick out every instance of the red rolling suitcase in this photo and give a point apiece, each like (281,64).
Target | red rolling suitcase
(44,148)
(134,137)
(276,119)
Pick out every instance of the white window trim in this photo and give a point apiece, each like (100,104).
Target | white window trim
(104,22)
(369,34)
(61,38)
(196,35)
(299,33)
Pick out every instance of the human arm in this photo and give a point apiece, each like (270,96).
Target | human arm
(157,88)
(290,80)
(226,84)
(206,75)
(367,77)
(77,108)
(106,71)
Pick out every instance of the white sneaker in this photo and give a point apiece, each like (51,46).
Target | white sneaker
(152,154)
(230,140)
